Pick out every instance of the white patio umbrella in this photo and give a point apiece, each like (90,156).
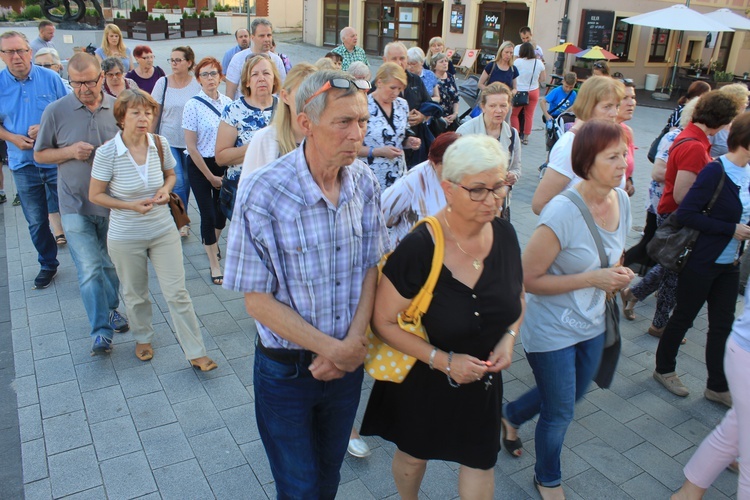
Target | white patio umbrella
(730,18)
(677,17)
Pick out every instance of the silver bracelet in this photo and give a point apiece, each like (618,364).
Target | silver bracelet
(511,332)
(432,358)
(452,383)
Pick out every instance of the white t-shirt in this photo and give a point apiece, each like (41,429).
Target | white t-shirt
(113,164)
(538,51)
(528,73)
(198,118)
(553,322)
(234,70)
(560,160)
(262,150)
(171,116)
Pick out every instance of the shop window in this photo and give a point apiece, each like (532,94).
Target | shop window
(335,18)
(244,6)
(658,48)
(622,36)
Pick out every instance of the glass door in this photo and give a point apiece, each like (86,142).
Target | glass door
(409,20)
(490,32)
(380,25)
(335,18)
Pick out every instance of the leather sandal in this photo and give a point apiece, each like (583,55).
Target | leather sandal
(206,365)
(628,304)
(513,446)
(144,352)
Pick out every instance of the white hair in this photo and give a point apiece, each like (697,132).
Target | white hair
(48,50)
(391,45)
(473,154)
(415,54)
(360,71)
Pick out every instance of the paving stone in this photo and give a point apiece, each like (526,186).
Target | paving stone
(72,308)
(104,404)
(42,324)
(219,323)
(645,487)
(198,416)
(42,304)
(138,380)
(80,351)
(439,481)
(30,423)
(238,483)
(241,422)
(169,359)
(21,337)
(354,489)
(26,391)
(243,368)
(51,345)
(594,484)
(375,473)
(96,375)
(603,458)
(662,411)
(54,370)
(66,432)
(151,410)
(182,385)
(236,308)
(38,490)
(77,328)
(115,437)
(612,432)
(227,392)
(216,451)
(693,431)
(206,305)
(181,481)
(97,493)
(34,460)
(256,456)
(659,435)
(235,344)
(577,434)
(74,471)
(128,476)
(166,445)
(23,362)
(658,464)
(614,405)
(60,398)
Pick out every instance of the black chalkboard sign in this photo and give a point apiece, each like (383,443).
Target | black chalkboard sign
(596,28)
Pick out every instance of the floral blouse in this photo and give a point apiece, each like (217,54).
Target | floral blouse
(448,93)
(246,119)
(382,131)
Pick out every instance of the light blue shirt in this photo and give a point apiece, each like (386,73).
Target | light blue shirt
(22,103)
(228,55)
(554,322)
(741,328)
(740,176)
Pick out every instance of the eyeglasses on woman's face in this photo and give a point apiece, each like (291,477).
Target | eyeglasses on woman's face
(208,74)
(480,194)
(175,60)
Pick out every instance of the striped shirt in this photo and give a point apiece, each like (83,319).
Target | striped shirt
(289,240)
(113,164)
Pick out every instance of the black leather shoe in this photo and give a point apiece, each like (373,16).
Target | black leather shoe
(44,278)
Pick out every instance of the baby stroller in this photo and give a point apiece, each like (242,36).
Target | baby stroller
(555,129)
(469,92)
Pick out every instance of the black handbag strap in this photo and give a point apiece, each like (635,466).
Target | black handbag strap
(208,104)
(559,103)
(578,201)
(717,192)
(531,80)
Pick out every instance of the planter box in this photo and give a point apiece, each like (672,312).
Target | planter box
(581,72)
(177,11)
(209,24)
(189,10)
(223,14)
(161,11)
(150,28)
(139,16)
(121,23)
(187,25)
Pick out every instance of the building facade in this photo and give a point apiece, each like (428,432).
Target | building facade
(484,25)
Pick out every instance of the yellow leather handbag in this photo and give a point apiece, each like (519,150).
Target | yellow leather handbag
(383,362)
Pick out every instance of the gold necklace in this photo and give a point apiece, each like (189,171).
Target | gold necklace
(477,263)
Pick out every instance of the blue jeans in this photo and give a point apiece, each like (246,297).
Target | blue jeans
(34,186)
(97,279)
(562,378)
(304,425)
(182,184)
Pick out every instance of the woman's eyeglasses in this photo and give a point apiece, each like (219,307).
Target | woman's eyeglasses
(480,193)
(45,65)
(175,60)
(209,74)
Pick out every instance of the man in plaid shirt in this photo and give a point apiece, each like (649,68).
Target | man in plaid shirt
(306,236)
(348,49)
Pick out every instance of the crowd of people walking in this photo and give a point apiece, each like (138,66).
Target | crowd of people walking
(350,204)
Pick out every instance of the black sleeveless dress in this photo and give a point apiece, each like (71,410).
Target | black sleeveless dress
(424,416)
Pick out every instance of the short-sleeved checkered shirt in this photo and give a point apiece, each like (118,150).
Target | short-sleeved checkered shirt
(288,239)
(358,54)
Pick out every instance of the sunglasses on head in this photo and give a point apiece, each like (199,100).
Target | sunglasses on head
(339,83)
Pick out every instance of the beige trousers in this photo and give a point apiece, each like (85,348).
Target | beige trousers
(130,258)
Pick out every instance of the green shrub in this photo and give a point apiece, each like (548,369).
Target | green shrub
(92,13)
(150,17)
(162,18)
(30,12)
(158,5)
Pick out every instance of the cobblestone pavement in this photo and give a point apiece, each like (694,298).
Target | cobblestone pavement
(115,427)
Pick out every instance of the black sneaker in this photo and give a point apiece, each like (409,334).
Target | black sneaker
(44,278)
(16,200)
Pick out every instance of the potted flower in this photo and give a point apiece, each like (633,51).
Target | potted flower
(190,6)
(159,8)
(176,9)
(723,78)
(222,10)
